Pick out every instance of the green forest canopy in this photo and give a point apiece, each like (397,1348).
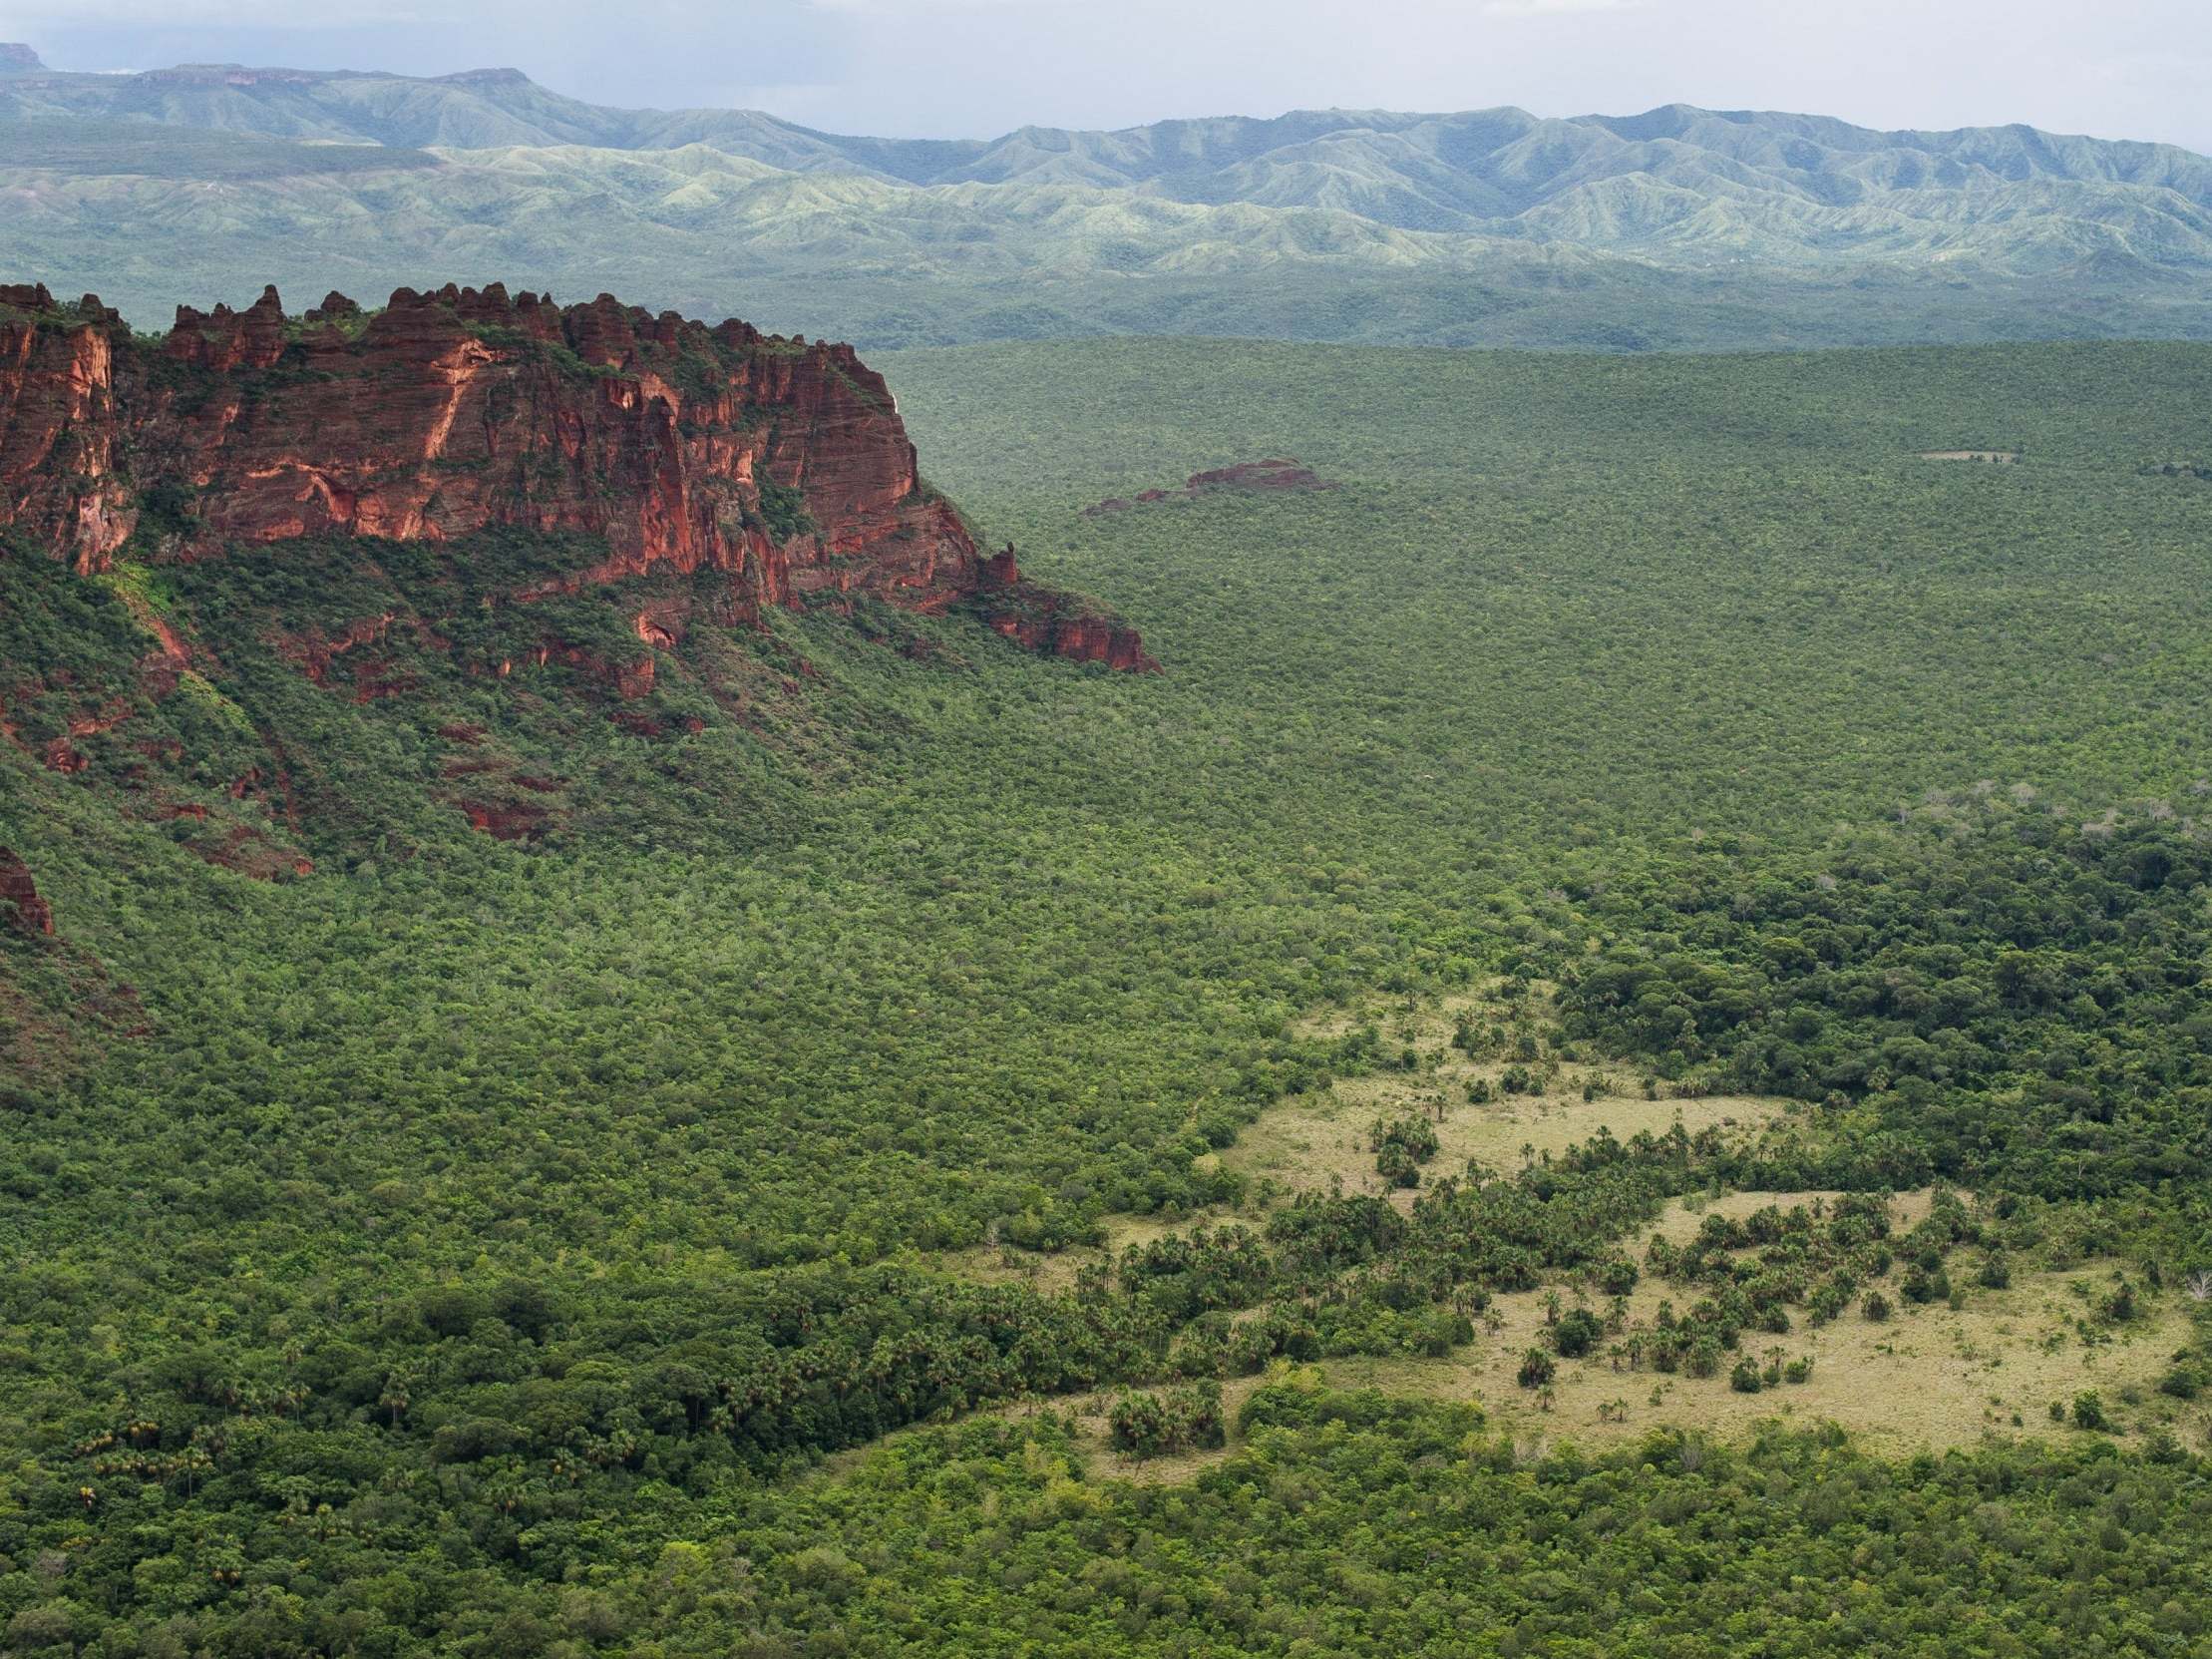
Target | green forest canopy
(462,1247)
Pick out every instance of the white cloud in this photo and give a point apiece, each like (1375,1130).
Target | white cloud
(931,8)
(28,16)
(1557,8)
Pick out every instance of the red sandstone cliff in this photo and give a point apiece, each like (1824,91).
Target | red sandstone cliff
(1038,619)
(31,914)
(781,466)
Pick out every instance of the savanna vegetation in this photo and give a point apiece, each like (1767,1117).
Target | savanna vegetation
(482,1242)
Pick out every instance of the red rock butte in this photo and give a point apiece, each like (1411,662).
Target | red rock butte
(780,467)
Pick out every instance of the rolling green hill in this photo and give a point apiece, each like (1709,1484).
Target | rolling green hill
(1676,227)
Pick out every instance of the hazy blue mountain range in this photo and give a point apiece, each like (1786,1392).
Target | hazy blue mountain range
(1677,226)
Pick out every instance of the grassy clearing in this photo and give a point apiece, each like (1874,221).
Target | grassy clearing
(1931,1377)
(1927,1379)
(994,1264)
(1928,1376)
(1310,1142)
(1314,1142)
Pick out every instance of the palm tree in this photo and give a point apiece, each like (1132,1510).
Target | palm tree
(394,1396)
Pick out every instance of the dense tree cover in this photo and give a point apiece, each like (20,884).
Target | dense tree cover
(1352,1525)
(457,1248)
(1993,995)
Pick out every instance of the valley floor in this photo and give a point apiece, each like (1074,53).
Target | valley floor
(737,1212)
(2004,1362)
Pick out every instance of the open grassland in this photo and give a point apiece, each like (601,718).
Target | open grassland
(1323,1142)
(1503,1096)
(1927,1379)
(1930,1378)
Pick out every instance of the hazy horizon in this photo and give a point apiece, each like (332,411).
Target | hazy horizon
(972,69)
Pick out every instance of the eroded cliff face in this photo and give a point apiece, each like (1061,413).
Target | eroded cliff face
(59,428)
(779,466)
(1040,620)
(21,907)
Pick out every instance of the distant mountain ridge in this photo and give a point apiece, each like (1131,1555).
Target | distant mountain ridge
(1515,205)
(1416,172)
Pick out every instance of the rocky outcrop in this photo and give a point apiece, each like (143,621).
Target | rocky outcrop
(1250,477)
(21,907)
(1045,621)
(779,468)
(60,425)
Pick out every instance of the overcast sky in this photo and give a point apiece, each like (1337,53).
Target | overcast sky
(974,68)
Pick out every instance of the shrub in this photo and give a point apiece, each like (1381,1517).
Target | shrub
(1197,1412)
(784,508)
(1537,1368)
(1187,1419)
(1920,1285)
(2088,1411)
(1401,1146)
(1876,1307)
(1577,1334)
(1440,1331)
(1745,1378)
(1396,1166)
(1616,1275)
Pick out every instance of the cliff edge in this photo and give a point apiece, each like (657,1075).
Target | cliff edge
(777,466)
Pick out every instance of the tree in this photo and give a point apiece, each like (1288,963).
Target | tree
(1576,1334)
